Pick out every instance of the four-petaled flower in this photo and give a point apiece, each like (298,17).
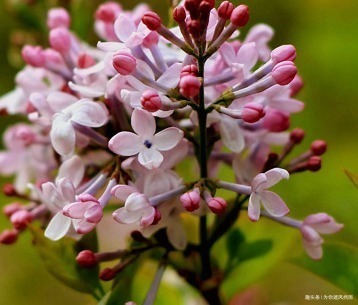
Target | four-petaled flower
(312,227)
(137,207)
(271,201)
(144,141)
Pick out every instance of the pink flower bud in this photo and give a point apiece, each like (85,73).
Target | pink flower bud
(179,14)
(211,3)
(11,208)
(152,21)
(86,258)
(318,147)
(85,61)
(124,63)
(33,56)
(217,205)
(58,17)
(151,101)
(297,135)
(60,40)
(151,39)
(192,7)
(8,237)
(20,219)
(189,86)
(296,85)
(191,200)
(283,53)
(314,163)
(108,11)
(225,10)
(25,135)
(284,72)
(240,15)
(276,121)
(194,28)
(189,70)
(9,190)
(252,112)
(107,274)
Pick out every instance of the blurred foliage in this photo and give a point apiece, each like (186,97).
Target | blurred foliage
(324,33)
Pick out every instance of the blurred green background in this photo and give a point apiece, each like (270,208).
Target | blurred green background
(325,33)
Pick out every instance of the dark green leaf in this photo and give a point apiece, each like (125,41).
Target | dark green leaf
(233,242)
(338,266)
(60,260)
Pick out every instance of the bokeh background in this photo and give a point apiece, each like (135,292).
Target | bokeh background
(325,33)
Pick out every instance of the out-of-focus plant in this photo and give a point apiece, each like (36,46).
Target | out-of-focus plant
(177,132)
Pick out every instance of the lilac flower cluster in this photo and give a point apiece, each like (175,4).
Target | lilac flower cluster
(108,125)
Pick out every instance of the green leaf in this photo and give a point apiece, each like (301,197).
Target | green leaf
(233,242)
(59,258)
(352,177)
(338,266)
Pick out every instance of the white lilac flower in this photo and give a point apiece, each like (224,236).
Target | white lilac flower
(145,142)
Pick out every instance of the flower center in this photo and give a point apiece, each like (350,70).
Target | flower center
(147,144)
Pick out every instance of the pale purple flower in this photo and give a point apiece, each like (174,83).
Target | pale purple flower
(144,141)
(84,112)
(312,227)
(273,203)
(137,208)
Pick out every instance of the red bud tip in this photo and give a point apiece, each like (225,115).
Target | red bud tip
(8,237)
(179,14)
(20,219)
(297,135)
(11,208)
(9,190)
(217,205)
(318,147)
(85,61)
(152,21)
(240,16)
(189,86)
(151,101)
(314,164)
(189,70)
(108,11)
(107,274)
(86,258)
(225,10)
(157,217)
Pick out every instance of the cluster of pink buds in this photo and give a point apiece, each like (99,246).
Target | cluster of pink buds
(109,125)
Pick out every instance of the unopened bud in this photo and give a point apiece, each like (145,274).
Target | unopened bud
(189,86)
(189,70)
(58,17)
(151,101)
(217,205)
(107,274)
(276,121)
(9,190)
(151,39)
(297,135)
(108,11)
(157,217)
(194,28)
(124,63)
(191,200)
(296,85)
(240,16)
(252,112)
(284,72)
(283,53)
(8,237)
(21,219)
(60,40)
(314,163)
(152,21)
(85,61)
(318,147)
(225,10)
(33,56)
(179,14)
(86,258)
(11,208)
